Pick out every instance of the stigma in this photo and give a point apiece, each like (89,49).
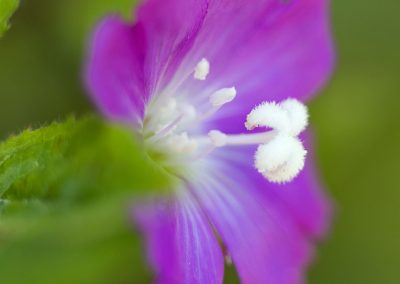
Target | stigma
(280,154)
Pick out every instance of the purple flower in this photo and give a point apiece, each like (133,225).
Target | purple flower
(193,77)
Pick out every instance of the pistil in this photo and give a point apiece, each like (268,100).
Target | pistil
(219,139)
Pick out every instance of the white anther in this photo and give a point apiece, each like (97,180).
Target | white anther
(268,115)
(281,159)
(202,69)
(218,139)
(168,107)
(181,143)
(298,115)
(223,96)
(166,111)
(188,111)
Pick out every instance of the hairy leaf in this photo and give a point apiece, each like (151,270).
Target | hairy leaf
(65,196)
(73,162)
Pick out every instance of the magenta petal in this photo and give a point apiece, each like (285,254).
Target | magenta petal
(305,199)
(265,243)
(115,70)
(181,245)
(282,49)
(273,49)
(129,63)
(171,27)
(268,49)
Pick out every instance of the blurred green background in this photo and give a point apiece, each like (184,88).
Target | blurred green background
(356,119)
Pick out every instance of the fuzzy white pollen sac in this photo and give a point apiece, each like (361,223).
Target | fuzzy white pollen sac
(297,114)
(268,115)
(223,96)
(202,69)
(281,160)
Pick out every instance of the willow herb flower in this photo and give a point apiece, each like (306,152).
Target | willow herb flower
(216,87)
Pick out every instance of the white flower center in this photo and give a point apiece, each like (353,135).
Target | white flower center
(280,154)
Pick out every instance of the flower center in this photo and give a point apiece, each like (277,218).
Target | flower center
(170,126)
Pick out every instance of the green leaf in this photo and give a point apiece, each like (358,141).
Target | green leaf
(92,244)
(66,191)
(7,8)
(75,162)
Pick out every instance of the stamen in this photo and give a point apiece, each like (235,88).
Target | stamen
(222,96)
(172,116)
(218,139)
(202,69)
(167,108)
(181,143)
(219,99)
(165,130)
(188,111)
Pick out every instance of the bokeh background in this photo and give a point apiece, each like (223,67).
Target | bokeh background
(356,118)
